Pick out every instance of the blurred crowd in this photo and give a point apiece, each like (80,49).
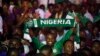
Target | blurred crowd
(48,41)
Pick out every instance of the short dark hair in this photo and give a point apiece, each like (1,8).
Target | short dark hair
(35,30)
(39,54)
(96,41)
(46,47)
(10,52)
(68,41)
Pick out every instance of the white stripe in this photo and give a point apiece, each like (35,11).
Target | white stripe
(35,23)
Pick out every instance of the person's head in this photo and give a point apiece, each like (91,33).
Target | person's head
(64,4)
(69,47)
(17,32)
(82,33)
(89,25)
(50,39)
(53,31)
(5,27)
(35,4)
(11,3)
(42,7)
(15,43)
(86,52)
(36,15)
(95,30)
(13,52)
(44,30)
(83,9)
(82,43)
(73,7)
(58,7)
(25,4)
(33,32)
(96,47)
(92,9)
(5,8)
(3,48)
(46,50)
(60,31)
(51,7)
(81,25)
(72,37)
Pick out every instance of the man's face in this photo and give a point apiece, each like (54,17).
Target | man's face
(14,44)
(83,10)
(58,8)
(69,47)
(72,38)
(51,9)
(95,31)
(82,34)
(31,33)
(50,39)
(89,25)
(96,48)
(82,45)
(25,4)
(17,33)
(35,4)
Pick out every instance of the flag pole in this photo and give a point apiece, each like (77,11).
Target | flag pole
(76,24)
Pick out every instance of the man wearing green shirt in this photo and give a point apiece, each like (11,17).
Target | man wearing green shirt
(51,41)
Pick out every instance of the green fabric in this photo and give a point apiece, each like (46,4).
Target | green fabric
(58,46)
(52,23)
(28,24)
(83,19)
(57,1)
(77,36)
(97,18)
(37,43)
(71,15)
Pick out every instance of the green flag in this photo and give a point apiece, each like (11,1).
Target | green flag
(70,15)
(96,18)
(58,1)
(77,39)
(83,19)
(73,15)
(48,23)
(58,46)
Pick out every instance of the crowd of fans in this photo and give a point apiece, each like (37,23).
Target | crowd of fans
(48,41)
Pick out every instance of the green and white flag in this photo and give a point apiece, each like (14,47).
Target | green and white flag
(96,18)
(70,15)
(48,23)
(58,1)
(83,19)
(77,38)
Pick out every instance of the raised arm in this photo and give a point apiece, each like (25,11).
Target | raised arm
(35,40)
(59,45)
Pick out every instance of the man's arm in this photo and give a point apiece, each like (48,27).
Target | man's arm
(35,40)
(37,43)
(57,49)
